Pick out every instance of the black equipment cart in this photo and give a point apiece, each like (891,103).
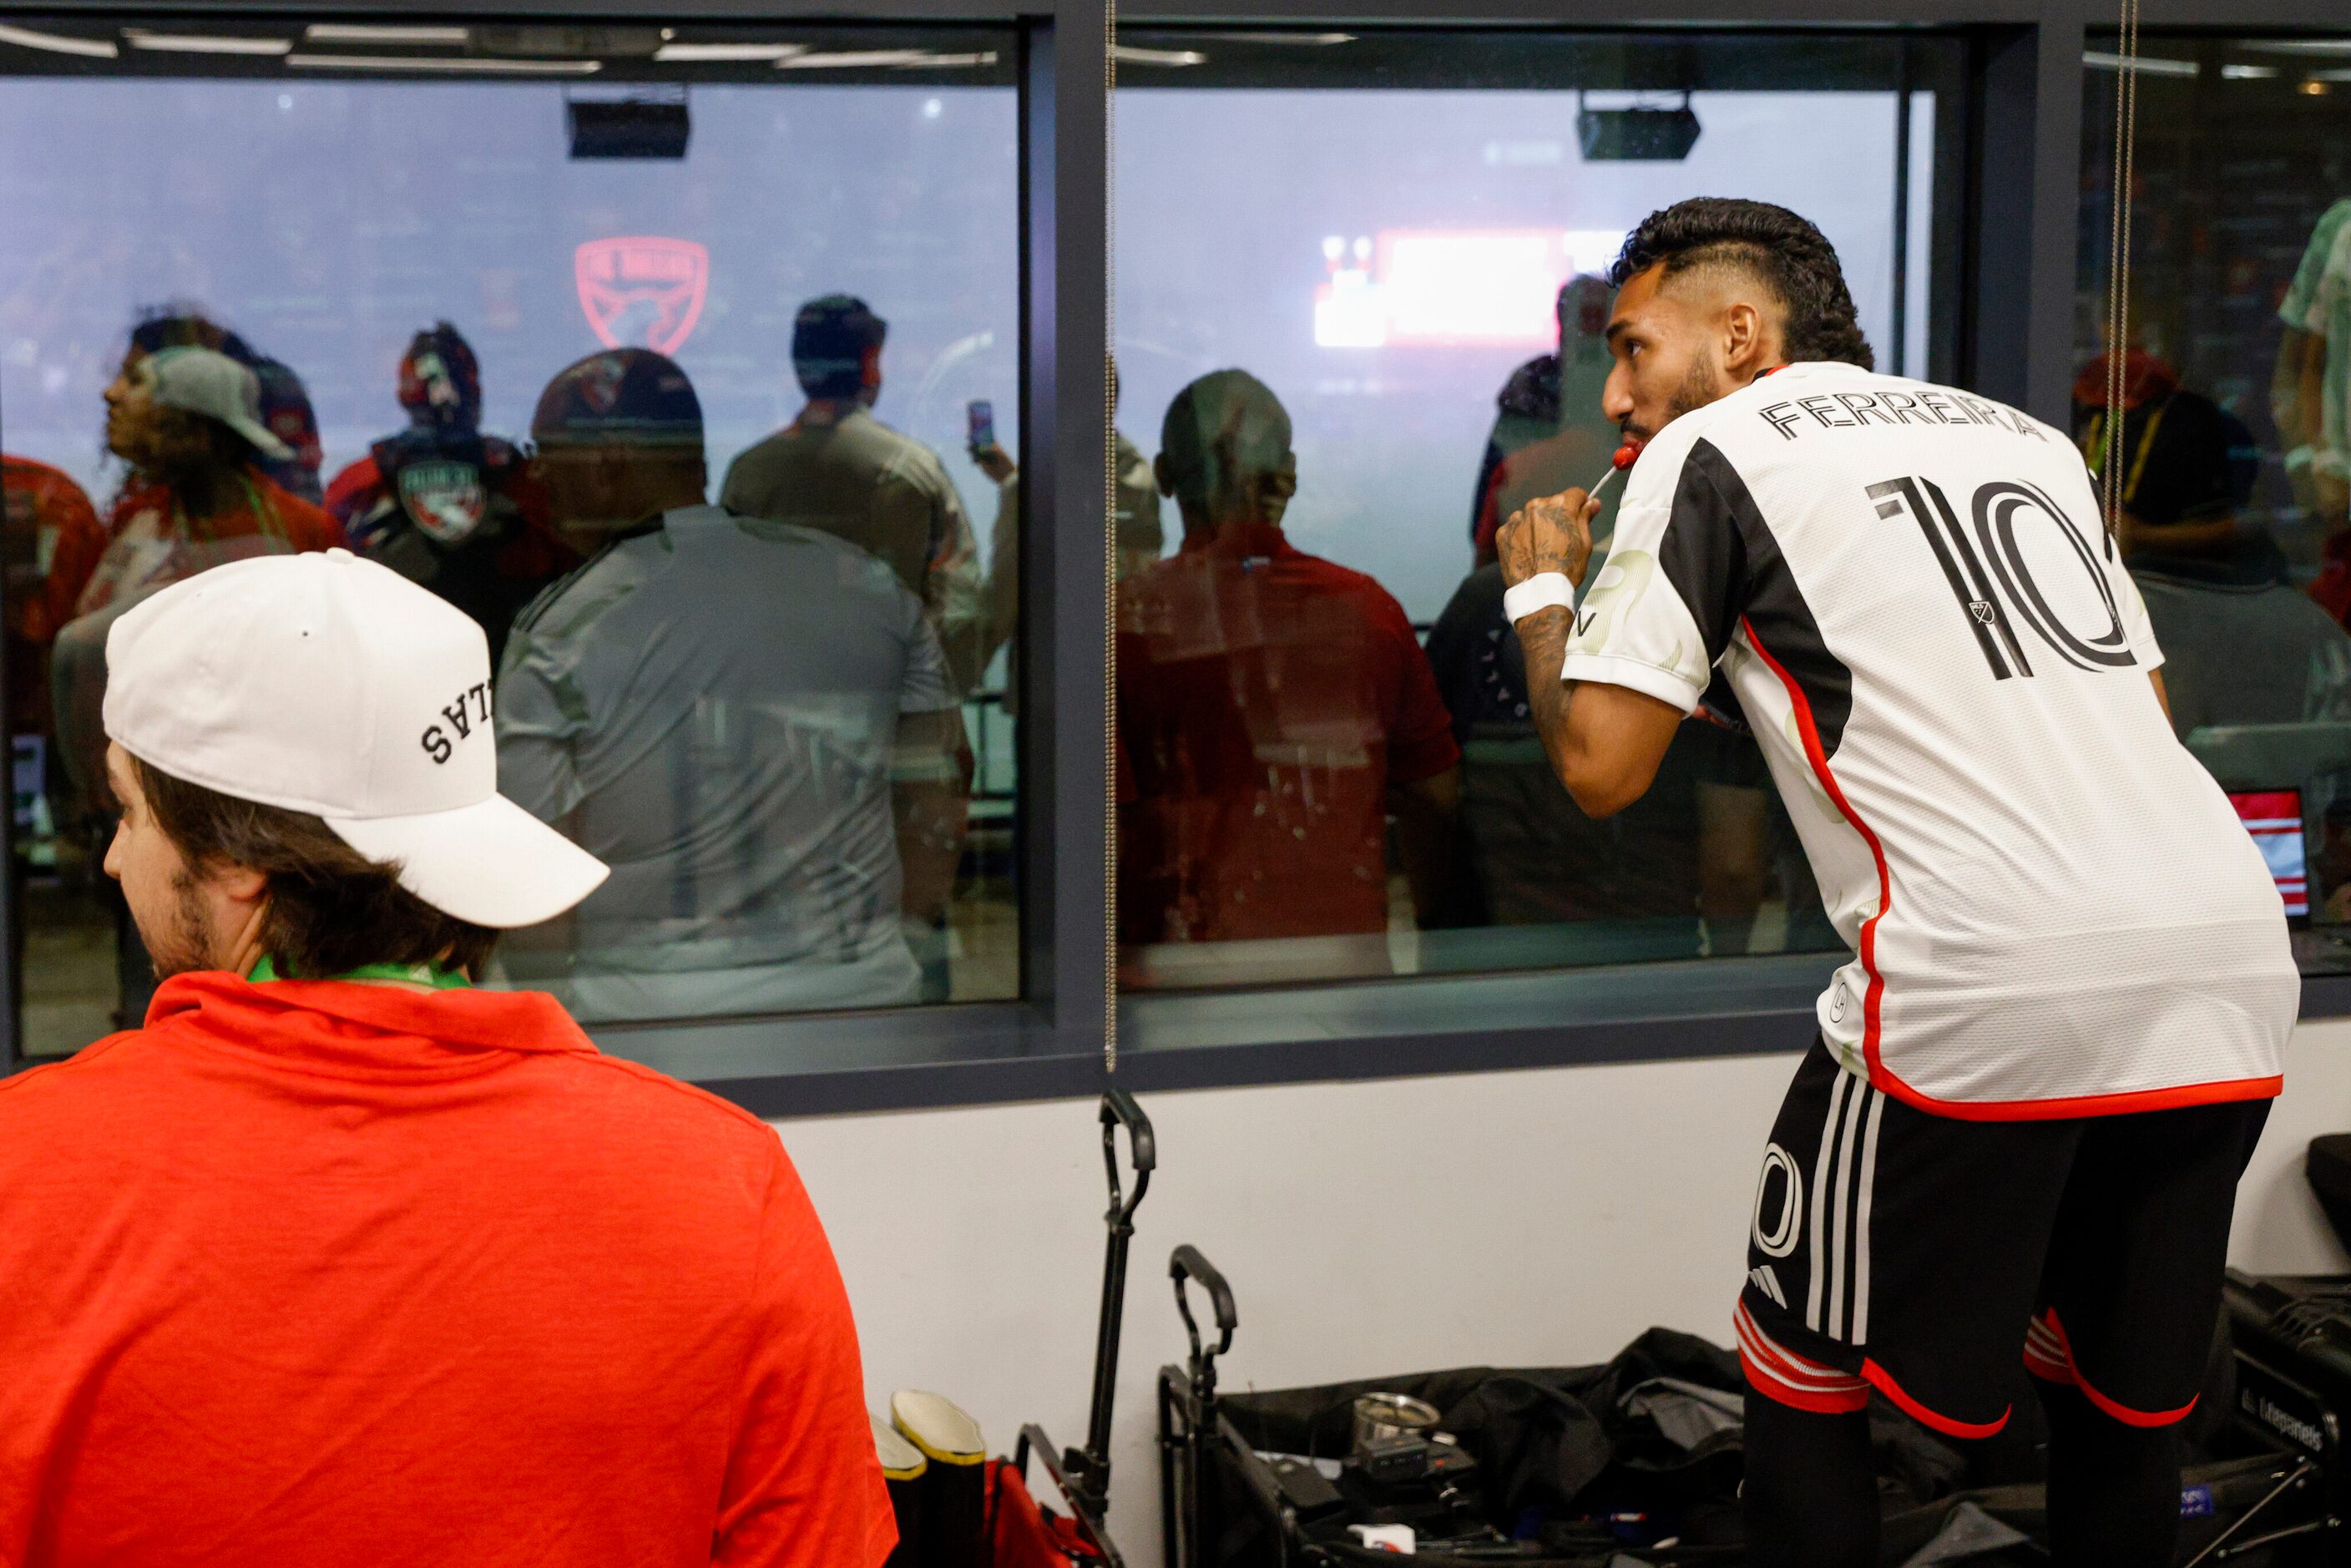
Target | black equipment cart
(1019,1535)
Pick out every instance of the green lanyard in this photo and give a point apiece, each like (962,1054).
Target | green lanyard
(432,975)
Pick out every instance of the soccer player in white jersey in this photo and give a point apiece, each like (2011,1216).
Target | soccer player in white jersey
(2038,1080)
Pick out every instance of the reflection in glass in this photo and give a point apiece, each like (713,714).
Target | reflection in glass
(1328,767)
(838,469)
(2228,437)
(339,336)
(1274,710)
(749,721)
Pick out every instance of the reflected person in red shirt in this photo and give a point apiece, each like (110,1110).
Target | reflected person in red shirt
(1273,709)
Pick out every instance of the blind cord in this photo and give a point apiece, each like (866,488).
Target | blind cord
(1110,541)
(2119,268)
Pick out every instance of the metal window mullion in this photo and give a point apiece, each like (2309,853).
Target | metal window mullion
(1064,436)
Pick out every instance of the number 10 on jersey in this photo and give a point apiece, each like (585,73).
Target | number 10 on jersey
(1995,582)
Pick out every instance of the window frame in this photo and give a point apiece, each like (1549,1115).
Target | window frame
(2015,207)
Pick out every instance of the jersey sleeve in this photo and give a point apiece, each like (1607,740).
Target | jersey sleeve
(1661,609)
(803,1486)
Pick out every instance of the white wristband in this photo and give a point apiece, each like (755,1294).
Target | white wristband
(1540,591)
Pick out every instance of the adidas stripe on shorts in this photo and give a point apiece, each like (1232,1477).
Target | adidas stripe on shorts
(1924,1256)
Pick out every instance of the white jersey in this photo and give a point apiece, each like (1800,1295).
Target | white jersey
(2054,909)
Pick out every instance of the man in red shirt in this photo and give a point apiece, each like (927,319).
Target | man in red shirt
(340,1259)
(54,541)
(1273,709)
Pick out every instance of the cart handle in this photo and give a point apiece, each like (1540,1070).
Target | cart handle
(1088,1468)
(1185,1263)
(1119,1110)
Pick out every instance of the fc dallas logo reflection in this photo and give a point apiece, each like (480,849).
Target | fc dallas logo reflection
(643,290)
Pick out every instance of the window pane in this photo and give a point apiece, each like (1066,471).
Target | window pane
(582,328)
(1329,769)
(2229,451)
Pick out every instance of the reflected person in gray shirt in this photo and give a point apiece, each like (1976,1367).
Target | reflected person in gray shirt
(748,720)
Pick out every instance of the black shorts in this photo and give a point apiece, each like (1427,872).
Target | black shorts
(1921,1254)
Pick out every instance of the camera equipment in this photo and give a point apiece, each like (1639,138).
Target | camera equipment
(1411,1479)
(1401,1461)
(1305,1487)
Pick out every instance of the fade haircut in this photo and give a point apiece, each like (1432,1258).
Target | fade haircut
(1778,248)
(332,909)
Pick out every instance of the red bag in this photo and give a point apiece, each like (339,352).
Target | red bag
(1023,1534)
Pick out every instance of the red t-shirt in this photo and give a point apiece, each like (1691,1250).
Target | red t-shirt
(1266,698)
(153,542)
(53,544)
(333,1273)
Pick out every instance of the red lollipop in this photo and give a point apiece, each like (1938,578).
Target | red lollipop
(1623,459)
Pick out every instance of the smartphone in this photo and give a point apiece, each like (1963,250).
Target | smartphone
(981,416)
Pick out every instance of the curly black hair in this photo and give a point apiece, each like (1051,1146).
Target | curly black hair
(1792,257)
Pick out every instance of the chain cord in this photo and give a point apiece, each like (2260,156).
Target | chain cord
(2118,269)
(1110,541)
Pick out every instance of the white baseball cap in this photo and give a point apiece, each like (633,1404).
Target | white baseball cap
(207,381)
(326,684)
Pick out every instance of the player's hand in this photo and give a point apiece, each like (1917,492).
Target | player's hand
(1553,533)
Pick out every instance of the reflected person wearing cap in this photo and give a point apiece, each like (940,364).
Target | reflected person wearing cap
(188,421)
(340,1259)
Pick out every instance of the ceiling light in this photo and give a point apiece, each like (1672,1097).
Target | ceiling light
(374,33)
(2249,73)
(58,44)
(204,42)
(2146,65)
(1129,54)
(868,59)
(1291,40)
(2296,46)
(2314,87)
(720,53)
(442,63)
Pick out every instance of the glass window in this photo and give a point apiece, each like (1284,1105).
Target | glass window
(683,360)
(1361,292)
(2222,430)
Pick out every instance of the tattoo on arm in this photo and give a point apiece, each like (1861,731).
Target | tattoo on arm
(1543,637)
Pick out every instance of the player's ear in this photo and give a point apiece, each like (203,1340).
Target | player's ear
(1742,339)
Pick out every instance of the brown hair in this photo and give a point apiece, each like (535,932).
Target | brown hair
(196,457)
(332,909)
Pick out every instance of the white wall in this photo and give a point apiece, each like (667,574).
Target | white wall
(1537,1218)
